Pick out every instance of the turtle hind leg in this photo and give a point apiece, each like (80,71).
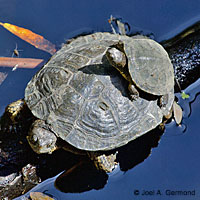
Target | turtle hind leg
(103,161)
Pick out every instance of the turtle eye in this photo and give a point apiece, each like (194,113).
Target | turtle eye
(34,139)
(103,106)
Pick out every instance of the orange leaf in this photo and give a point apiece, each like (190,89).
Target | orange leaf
(34,39)
(20,62)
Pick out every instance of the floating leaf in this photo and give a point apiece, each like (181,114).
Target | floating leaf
(34,39)
(20,62)
(39,196)
(184,95)
(178,113)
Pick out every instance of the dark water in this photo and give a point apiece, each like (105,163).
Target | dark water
(174,164)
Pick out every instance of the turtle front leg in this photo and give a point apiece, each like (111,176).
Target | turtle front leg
(134,94)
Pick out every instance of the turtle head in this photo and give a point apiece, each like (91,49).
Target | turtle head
(116,56)
(41,139)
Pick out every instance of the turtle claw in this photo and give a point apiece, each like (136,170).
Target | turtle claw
(133,97)
(134,94)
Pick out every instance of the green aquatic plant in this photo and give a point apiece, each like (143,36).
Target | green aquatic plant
(184,95)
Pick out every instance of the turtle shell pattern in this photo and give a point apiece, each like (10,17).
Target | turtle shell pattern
(149,66)
(84,99)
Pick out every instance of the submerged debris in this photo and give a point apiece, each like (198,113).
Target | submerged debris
(16,51)
(2,77)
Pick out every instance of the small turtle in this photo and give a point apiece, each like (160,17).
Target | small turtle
(149,66)
(146,66)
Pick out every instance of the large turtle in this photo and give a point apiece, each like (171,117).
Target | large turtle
(79,97)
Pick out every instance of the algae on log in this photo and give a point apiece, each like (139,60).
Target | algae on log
(184,52)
